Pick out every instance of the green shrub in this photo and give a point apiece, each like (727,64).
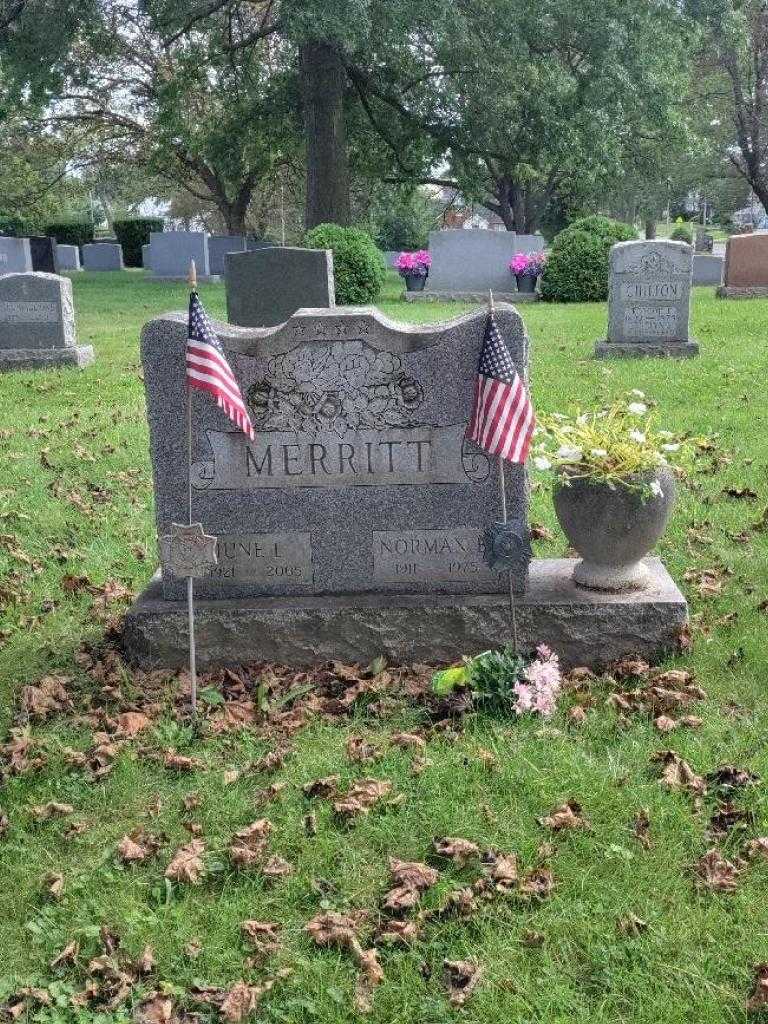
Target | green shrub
(682,233)
(577,268)
(70,232)
(358,265)
(134,232)
(13,226)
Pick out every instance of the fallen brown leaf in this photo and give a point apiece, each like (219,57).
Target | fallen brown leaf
(716,873)
(326,788)
(758,1000)
(249,845)
(460,851)
(53,809)
(363,795)
(187,863)
(263,935)
(565,816)
(462,977)
(361,750)
(371,975)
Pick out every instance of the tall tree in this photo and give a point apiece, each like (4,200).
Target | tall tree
(733,81)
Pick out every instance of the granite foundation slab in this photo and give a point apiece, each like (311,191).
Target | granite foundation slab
(584,627)
(654,349)
(79,356)
(727,292)
(481,297)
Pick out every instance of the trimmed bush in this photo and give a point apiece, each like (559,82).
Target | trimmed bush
(70,232)
(682,233)
(15,227)
(578,265)
(358,265)
(134,232)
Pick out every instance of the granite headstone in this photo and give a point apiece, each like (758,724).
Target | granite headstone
(172,251)
(103,256)
(219,246)
(145,256)
(43,251)
(466,264)
(37,323)
(15,256)
(69,257)
(267,286)
(649,300)
(746,267)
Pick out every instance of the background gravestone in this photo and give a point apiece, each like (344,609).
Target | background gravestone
(171,252)
(37,323)
(467,263)
(103,256)
(649,300)
(43,251)
(746,267)
(707,269)
(15,255)
(219,246)
(267,286)
(68,257)
(145,256)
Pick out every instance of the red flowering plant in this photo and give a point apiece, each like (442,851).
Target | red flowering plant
(413,263)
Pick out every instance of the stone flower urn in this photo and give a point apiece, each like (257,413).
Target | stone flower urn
(614,529)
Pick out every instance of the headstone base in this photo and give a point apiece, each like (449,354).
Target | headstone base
(45,358)
(726,292)
(481,297)
(584,627)
(201,278)
(645,349)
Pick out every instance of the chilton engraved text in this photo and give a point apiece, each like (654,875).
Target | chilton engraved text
(28,312)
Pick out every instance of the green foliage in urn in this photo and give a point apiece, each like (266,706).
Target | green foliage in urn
(132,234)
(358,265)
(578,265)
(616,445)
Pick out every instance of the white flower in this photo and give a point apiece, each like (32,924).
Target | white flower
(637,394)
(566,430)
(656,490)
(637,408)
(541,463)
(670,447)
(581,420)
(599,453)
(569,454)
(637,435)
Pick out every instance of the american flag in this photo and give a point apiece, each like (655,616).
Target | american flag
(208,369)
(502,420)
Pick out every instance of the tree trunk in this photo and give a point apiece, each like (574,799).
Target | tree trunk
(650,227)
(323,80)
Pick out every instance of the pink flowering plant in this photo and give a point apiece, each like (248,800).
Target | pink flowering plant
(413,263)
(527,264)
(507,681)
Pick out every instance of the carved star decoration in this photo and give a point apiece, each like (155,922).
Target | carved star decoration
(189,550)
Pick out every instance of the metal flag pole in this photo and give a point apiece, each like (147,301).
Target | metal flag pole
(190,579)
(503,490)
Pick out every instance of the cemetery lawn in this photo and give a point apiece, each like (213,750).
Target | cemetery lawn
(76,538)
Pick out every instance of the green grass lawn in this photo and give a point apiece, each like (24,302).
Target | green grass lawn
(76,527)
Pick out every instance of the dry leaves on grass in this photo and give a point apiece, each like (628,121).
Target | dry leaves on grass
(48,697)
(408,741)
(459,850)
(53,809)
(756,848)
(641,827)
(632,925)
(131,723)
(181,762)
(325,788)
(461,978)
(342,931)
(248,847)
(277,867)
(678,774)
(360,750)
(263,935)
(187,863)
(410,879)
(371,975)
(501,871)
(396,932)
(156,1009)
(538,883)
(758,1000)
(242,999)
(362,796)
(716,873)
(137,847)
(22,753)
(564,817)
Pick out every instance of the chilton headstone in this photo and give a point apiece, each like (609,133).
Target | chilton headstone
(37,323)
(746,267)
(649,301)
(354,524)
(15,256)
(266,287)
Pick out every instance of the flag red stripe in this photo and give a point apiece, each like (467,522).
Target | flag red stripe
(235,397)
(206,354)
